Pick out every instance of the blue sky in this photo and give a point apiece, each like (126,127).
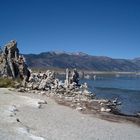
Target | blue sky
(97,27)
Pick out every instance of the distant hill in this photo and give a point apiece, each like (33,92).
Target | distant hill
(81,61)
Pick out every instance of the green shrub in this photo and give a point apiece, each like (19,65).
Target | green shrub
(6,82)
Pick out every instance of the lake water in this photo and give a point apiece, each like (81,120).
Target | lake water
(126,88)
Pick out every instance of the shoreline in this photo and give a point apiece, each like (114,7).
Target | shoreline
(51,121)
(114,116)
(88,72)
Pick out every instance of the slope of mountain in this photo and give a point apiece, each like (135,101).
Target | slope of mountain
(81,61)
(137,61)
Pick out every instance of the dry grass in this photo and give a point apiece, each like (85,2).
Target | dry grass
(6,82)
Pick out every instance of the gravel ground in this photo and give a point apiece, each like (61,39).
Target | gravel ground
(22,118)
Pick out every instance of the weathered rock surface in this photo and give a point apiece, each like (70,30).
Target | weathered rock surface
(12,64)
(68,92)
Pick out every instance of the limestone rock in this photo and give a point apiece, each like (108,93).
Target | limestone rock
(12,64)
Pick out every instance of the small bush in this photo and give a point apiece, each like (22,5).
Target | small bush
(6,82)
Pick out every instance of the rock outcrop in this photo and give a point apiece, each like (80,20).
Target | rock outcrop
(12,64)
(68,92)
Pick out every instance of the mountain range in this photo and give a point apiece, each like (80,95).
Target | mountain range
(81,61)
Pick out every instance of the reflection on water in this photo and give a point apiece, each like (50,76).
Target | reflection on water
(127,88)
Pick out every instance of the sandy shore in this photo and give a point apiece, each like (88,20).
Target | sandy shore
(22,118)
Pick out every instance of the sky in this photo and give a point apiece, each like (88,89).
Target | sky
(96,27)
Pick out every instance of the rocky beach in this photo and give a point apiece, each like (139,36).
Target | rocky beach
(22,118)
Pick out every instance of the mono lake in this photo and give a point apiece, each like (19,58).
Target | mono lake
(126,88)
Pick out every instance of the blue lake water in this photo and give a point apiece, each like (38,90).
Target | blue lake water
(126,88)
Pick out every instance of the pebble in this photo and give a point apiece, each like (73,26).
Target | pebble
(79,108)
(105,109)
